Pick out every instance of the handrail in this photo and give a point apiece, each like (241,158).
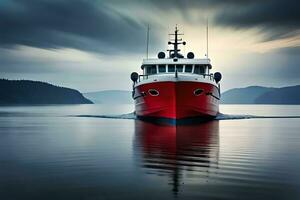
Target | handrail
(143,75)
(210,76)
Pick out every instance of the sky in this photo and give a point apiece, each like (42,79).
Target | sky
(93,45)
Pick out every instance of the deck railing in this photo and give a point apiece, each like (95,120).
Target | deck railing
(145,77)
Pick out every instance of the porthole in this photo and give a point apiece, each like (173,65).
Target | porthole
(153,92)
(197,92)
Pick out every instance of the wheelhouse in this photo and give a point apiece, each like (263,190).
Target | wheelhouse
(175,64)
(191,68)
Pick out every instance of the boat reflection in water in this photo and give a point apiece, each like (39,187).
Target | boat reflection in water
(185,153)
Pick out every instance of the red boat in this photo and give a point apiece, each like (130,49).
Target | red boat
(176,87)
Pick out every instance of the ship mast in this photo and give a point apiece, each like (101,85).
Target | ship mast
(147,47)
(207,37)
(174,53)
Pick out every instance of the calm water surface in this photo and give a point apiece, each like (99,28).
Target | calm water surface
(45,153)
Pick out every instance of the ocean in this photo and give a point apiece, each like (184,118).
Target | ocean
(92,152)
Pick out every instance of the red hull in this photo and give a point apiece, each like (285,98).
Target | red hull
(176,100)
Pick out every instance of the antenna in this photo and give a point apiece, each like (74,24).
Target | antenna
(174,53)
(147,47)
(206,37)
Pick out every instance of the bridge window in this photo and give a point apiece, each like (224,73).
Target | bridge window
(171,68)
(199,69)
(151,69)
(188,68)
(179,68)
(161,68)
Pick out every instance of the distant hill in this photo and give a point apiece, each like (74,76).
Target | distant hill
(246,95)
(35,92)
(285,95)
(110,97)
(262,95)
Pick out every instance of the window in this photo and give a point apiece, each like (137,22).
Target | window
(171,68)
(188,68)
(148,70)
(151,69)
(202,69)
(161,68)
(179,68)
(199,69)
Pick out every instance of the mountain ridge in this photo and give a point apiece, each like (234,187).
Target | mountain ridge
(284,95)
(262,95)
(22,92)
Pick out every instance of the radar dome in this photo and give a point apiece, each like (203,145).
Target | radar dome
(161,55)
(190,55)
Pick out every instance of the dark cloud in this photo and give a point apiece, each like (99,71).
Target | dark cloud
(95,26)
(243,13)
(181,5)
(292,51)
(272,13)
(79,24)
(278,18)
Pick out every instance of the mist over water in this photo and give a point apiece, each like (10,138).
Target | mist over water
(46,152)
